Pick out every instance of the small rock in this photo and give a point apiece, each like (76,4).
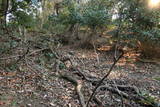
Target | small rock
(68,64)
(52,104)
(29,105)
(71,53)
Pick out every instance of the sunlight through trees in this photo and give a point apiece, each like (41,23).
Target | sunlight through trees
(154,3)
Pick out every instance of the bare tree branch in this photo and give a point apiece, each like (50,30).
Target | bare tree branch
(101,81)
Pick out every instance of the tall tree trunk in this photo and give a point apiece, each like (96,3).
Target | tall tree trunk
(3,11)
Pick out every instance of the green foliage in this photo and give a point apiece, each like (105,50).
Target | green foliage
(62,66)
(57,28)
(11,68)
(141,21)
(4,47)
(69,16)
(24,19)
(148,99)
(157,78)
(23,14)
(95,17)
(93,14)
(136,19)
(7,45)
(153,35)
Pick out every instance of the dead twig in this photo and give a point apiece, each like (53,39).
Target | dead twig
(101,81)
(28,54)
(5,58)
(23,56)
(96,53)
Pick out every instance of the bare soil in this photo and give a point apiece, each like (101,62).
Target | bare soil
(35,84)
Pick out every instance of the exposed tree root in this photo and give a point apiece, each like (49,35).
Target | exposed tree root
(78,86)
(125,91)
(74,81)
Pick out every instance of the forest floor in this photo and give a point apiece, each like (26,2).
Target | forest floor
(35,81)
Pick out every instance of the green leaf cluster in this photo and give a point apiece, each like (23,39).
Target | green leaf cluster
(140,19)
(93,14)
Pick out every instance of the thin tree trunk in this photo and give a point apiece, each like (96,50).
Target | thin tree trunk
(3,11)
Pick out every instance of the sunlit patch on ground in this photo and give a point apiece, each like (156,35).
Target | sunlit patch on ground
(118,74)
(104,48)
(129,59)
